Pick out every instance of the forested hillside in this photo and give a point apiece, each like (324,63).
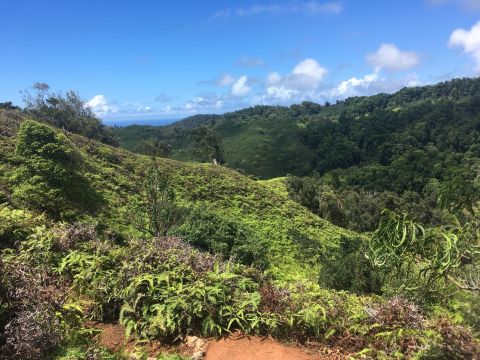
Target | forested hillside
(394,142)
(373,266)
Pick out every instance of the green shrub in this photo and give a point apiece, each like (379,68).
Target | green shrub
(48,178)
(16,225)
(210,231)
(347,268)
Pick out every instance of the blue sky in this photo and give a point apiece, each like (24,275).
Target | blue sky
(170,59)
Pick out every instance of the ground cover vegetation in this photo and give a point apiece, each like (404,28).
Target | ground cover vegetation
(379,268)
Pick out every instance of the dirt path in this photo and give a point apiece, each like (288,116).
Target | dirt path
(235,347)
(241,347)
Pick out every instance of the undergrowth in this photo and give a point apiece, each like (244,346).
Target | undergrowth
(162,288)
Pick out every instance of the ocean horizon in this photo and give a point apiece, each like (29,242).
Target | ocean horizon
(151,122)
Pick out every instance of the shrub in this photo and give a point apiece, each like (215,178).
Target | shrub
(455,342)
(33,323)
(210,231)
(347,268)
(16,225)
(48,178)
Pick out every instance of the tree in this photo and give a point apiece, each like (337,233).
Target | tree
(208,146)
(154,147)
(157,211)
(68,112)
(8,106)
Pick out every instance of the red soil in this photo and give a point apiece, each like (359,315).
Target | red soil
(241,347)
(234,347)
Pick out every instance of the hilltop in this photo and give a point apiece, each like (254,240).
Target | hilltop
(378,131)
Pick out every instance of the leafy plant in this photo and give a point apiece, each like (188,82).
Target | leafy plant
(157,212)
(208,230)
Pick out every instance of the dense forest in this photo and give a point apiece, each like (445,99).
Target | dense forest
(376,134)
(352,226)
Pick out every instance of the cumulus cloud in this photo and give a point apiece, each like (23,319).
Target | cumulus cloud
(469,40)
(309,8)
(240,87)
(279,90)
(273,78)
(371,84)
(282,93)
(204,102)
(101,106)
(311,68)
(354,85)
(304,79)
(144,109)
(391,58)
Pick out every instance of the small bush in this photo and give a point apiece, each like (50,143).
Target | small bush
(457,342)
(33,323)
(16,225)
(210,231)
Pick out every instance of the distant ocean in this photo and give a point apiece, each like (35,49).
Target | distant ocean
(152,122)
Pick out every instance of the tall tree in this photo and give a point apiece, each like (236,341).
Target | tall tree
(68,112)
(208,145)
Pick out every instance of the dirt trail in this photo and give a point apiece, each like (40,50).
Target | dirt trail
(235,347)
(241,347)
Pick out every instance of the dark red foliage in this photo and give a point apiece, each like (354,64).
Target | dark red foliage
(273,299)
(29,327)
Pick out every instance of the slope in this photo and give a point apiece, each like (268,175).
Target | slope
(116,175)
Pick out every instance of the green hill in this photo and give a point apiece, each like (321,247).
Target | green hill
(238,255)
(116,176)
(383,131)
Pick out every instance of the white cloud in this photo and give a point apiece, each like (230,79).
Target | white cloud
(469,40)
(144,109)
(167,109)
(204,102)
(371,84)
(306,76)
(240,87)
(391,58)
(311,68)
(355,85)
(309,8)
(301,84)
(281,93)
(101,106)
(221,80)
